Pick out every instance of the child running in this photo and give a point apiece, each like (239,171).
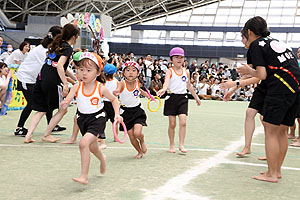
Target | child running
(131,110)
(111,84)
(91,117)
(177,82)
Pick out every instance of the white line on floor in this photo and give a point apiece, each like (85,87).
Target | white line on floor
(290,147)
(258,165)
(174,188)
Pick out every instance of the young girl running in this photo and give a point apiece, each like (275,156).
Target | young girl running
(131,110)
(48,91)
(276,64)
(111,84)
(177,82)
(91,117)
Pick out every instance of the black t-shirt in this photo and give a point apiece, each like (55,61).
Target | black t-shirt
(49,70)
(262,85)
(283,72)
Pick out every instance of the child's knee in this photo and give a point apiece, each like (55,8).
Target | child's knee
(83,144)
(182,124)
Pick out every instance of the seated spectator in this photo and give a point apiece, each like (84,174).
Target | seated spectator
(5,75)
(215,90)
(18,56)
(5,55)
(155,84)
(202,88)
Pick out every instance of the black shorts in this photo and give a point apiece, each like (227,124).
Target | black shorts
(281,109)
(93,123)
(132,116)
(109,110)
(176,104)
(46,96)
(257,100)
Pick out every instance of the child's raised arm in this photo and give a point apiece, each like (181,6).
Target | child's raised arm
(191,89)
(166,83)
(64,104)
(120,87)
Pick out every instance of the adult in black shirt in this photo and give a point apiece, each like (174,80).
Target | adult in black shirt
(51,85)
(275,63)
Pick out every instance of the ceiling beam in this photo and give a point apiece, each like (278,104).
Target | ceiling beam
(74,7)
(116,6)
(25,11)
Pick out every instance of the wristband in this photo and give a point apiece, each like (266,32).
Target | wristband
(238,83)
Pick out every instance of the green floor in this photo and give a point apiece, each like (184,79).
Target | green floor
(44,171)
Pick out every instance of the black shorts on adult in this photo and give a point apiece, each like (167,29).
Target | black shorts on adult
(257,100)
(132,116)
(92,123)
(46,96)
(176,104)
(109,110)
(281,109)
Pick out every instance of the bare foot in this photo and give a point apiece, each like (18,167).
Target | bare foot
(29,141)
(262,158)
(291,136)
(69,142)
(278,175)
(243,152)
(144,147)
(295,140)
(172,150)
(50,138)
(140,155)
(81,180)
(103,165)
(182,149)
(265,177)
(103,146)
(295,144)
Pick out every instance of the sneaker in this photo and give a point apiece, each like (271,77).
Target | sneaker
(20,132)
(58,128)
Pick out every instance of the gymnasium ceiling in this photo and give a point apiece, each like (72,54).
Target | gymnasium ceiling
(123,12)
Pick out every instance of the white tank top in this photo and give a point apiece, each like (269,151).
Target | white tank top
(89,103)
(178,82)
(111,85)
(130,98)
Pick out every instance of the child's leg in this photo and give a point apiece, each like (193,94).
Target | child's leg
(53,122)
(137,132)
(182,132)
(74,133)
(102,143)
(33,124)
(249,130)
(94,148)
(84,147)
(171,132)
(292,133)
(2,97)
(283,147)
(135,144)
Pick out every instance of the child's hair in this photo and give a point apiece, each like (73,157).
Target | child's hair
(108,76)
(68,31)
(23,44)
(53,31)
(257,25)
(101,78)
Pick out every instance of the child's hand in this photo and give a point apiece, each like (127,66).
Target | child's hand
(116,93)
(119,118)
(160,92)
(198,102)
(64,104)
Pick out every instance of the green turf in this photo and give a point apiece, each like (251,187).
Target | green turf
(44,171)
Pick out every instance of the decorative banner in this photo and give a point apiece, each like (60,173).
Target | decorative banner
(86,19)
(18,101)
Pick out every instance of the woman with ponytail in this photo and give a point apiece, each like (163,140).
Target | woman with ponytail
(27,74)
(51,85)
(272,61)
